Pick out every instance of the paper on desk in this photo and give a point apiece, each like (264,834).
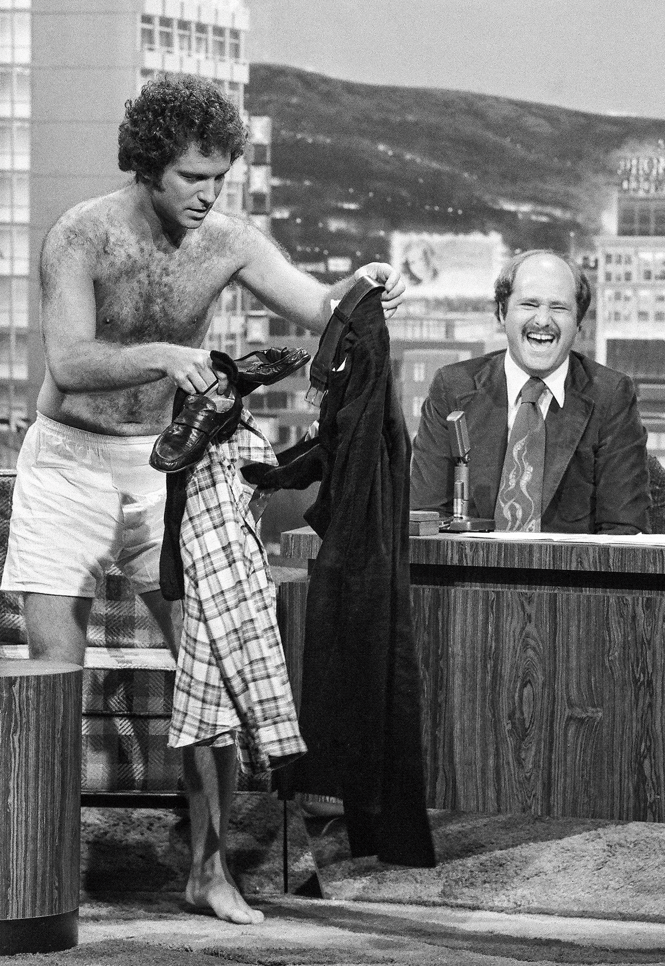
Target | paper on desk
(602,539)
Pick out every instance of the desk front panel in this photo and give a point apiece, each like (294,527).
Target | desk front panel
(543,675)
(543,700)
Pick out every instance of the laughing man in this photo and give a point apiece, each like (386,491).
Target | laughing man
(593,476)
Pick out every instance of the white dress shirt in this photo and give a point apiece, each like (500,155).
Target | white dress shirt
(517,378)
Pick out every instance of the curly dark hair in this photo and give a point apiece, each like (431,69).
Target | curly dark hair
(171,114)
(503,287)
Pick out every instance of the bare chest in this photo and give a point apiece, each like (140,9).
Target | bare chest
(144,295)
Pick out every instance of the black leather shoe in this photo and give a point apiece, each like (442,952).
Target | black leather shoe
(199,422)
(263,367)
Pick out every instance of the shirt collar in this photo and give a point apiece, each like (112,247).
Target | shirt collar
(517,378)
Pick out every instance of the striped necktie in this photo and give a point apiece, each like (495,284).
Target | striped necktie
(519,503)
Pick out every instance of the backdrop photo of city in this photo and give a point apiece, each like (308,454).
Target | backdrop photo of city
(446,184)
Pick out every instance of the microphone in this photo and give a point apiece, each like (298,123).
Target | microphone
(460,447)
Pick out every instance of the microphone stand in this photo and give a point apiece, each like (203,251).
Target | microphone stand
(461,522)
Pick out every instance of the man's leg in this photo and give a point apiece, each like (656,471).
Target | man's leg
(168,615)
(210,779)
(57,626)
(210,775)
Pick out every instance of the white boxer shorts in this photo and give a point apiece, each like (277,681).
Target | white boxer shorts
(83,501)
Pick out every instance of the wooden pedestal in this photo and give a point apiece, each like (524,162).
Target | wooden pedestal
(40,787)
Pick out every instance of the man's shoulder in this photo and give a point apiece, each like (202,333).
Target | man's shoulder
(231,233)
(86,221)
(584,368)
(237,228)
(467,369)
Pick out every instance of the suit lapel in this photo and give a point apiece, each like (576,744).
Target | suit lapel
(565,428)
(486,410)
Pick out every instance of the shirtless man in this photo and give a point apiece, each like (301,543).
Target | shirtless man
(129,285)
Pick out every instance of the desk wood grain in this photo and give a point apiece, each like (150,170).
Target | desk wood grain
(543,674)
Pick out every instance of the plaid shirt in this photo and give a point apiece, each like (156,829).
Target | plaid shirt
(231,676)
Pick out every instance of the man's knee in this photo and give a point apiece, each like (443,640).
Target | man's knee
(57,626)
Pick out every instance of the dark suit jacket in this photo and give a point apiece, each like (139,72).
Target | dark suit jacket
(596,478)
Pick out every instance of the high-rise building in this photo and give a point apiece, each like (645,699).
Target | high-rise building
(14,211)
(66,70)
(630,312)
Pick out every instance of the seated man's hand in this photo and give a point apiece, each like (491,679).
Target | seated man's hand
(391,280)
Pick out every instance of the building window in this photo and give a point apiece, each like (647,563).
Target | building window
(608,259)
(417,405)
(234,45)
(278,327)
(659,266)
(6,45)
(22,44)
(22,146)
(276,400)
(201,40)
(5,250)
(260,154)
(5,196)
(6,90)
(20,242)
(218,43)
(628,276)
(231,198)
(419,372)
(20,302)
(148,41)
(5,145)
(617,316)
(5,301)
(21,202)
(184,37)
(22,92)
(166,34)
(642,316)
(608,276)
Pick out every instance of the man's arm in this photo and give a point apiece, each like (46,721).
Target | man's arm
(622,479)
(288,292)
(80,362)
(432,467)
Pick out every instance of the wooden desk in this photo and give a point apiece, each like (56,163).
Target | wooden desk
(543,672)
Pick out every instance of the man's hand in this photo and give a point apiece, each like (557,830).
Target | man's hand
(392,281)
(191,369)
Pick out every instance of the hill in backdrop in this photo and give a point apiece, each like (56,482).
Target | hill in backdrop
(353,162)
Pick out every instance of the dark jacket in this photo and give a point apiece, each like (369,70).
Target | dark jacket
(595,478)
(360,713)
(360,709)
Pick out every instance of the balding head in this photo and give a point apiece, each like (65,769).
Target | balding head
(505,283)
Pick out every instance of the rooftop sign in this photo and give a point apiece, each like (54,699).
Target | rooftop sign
(642,175)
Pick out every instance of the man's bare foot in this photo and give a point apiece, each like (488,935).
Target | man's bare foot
(222,898)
